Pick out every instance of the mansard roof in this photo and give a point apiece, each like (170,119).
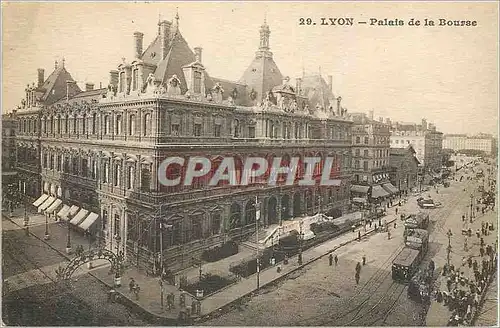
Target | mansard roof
(262,75)
(88,96)
(54,87)
(317,91)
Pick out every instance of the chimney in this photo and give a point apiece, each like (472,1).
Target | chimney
(370,115)
(197,54)
(298,86)
(113,78)
(424,124)
(41,73)
(164,35)
(68,86)
(138,38)
(388,121)
(330,82)
(89,86)
(381,119)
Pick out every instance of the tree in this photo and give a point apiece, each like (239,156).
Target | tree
(11,196)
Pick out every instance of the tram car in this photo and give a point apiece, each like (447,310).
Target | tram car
(417,221)
(406,264)
(419,287)
(417,239)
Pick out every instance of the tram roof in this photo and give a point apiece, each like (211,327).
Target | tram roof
(406,257)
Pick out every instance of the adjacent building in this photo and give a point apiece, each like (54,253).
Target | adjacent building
(370,158)
(482,142)
(425,140)
(98,151)
(404,168)
(9,128)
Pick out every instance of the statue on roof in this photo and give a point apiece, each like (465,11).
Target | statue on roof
(293,106)
(253,95)
(234,93)
(150,85)
(174,86)
(218,92)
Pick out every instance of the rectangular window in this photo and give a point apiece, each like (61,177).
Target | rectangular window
(365,165)
(175,129)
(366,140)
(85,168)
(197,130)
(365,153)
(197,82)
(217,130)
(197,228)
(358,152)
(251,132)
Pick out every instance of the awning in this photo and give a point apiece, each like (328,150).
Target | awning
(378,192)
(40,200)
(63,212)
(390,188)
(54,205)
(46,204)
(79,217)
(359,189)
(89,221)
(359,200)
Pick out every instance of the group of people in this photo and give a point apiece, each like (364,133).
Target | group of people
(463,293)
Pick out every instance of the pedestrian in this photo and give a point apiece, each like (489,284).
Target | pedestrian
(356,276)
(396,211)
(474,265)
(358,267)
(388,235)
(481,250)
(353,228)
(465,245)
(395,224)
(482,242)
(359,235)
(336,259)
(478,233)
(469,262)
(330,259)
(370,223)
(364,259)
(131,285)
(463,218)
(379,222)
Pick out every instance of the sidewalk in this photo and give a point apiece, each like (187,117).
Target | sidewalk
(150,295)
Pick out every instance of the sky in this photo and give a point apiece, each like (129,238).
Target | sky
(448,75)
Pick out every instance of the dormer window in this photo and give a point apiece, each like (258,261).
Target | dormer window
(135,78)
(254,70)
(197,82)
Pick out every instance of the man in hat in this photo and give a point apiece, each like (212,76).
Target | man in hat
(330,259)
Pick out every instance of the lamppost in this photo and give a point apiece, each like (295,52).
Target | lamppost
(118,239)
(471,206)
(319,204)
(301,235)
(449,234)
(89,235)
(257,218)
(164,226)
(26,217)
(68,241)
(47,236)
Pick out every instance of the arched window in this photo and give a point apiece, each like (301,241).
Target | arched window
(75,121)
(51,124)
(94,123)
(145,179)
(146,125)
(130,177)
(44,125)
(118,125)
(105,175)
(237,128)
(106,124)
(131,125)
(35,123)
(58,123)
(66,124)
(117,175)
(84,124)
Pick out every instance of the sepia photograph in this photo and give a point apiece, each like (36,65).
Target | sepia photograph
(250,163)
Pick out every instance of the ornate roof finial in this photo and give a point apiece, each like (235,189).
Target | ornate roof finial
(177,16)
(265,18)
(55,64)
(63,60)
(319,71)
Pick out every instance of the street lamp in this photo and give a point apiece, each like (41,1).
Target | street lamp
(301,235)
(471,206)
(68,241)
(118,239)
(89,235)
(47,236)
(257,218)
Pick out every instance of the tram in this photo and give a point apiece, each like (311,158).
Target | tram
(406,264)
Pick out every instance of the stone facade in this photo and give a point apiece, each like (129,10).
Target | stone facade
(404,168)
(101,149)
